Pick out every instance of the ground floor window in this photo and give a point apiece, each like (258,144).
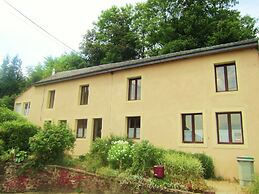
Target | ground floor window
(81,128)
(229,128)
(192,128)
(133,128)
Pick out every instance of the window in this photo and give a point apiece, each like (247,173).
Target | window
(192,128)
(97,132)
(226,79)
(81,128)
(134,89)
(63,122)
(229,128)
(84,95)
(133,127)
(51,98)
(26,108)
(18,108)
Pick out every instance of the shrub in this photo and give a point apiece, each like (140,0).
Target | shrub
(207,164)
(106,171)
(7,101)
(50,144)
(182,167)
(8,115)
(15,134)
(145,156)
(120,154)
(91,163)
(254,187)
(100,148)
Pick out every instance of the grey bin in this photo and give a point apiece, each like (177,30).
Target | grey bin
(246,169)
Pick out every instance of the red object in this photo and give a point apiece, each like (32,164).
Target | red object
(159,171)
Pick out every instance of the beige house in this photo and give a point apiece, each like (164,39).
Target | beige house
(201,100)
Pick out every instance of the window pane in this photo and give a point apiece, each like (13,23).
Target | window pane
(137,132)
(188,128)
(18,108)
(132,89)
(131,133)
(220,78)
(81,127)
(198,128)
(51,98)
(84,95)
(223,128)
(138,89)
(232,83)
(236,128)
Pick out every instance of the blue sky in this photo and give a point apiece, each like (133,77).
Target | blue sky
(66,19)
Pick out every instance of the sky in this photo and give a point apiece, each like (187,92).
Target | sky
(68,20)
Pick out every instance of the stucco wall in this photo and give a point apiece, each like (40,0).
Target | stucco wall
(167,91)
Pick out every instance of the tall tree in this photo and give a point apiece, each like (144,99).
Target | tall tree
(12,80)
(113,37)
(162,26)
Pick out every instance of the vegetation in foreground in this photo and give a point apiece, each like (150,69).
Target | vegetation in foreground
(254,187)
(128,162)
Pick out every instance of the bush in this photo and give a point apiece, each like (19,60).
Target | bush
(50,144)
(145,156)
(182,167)
(15,134)
(254,187)
(207,164)
(8,115)
(91,163)
(7,101)
(100,148)
(108,172)
(119,155)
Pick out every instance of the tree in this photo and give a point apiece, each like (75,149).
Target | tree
(63,63)
(12,81)
(162,26)
(113,37)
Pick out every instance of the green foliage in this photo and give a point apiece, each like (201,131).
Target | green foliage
(49,144)
(182,167)
(145,156)
(108,172)
(8,115)
(120,155)
(64,62)
(207,165)
(12,80)
(7,101)
(16,133)
(91,163)
(20,156)
(134,31)
(254,187)
(100,148)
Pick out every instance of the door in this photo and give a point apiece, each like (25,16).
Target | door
(97,131)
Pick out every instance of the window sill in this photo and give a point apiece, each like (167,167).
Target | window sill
(231,146)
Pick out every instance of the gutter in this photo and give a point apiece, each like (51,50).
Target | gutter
(254,43)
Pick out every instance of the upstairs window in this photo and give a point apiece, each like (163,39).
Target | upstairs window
(81,128)
(133,127)
(226,79)
(229,128)
(84,95)
(51,99)
(192,128)
(26,108)
(134,89)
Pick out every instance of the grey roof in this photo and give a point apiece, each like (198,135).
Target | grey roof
(106,68)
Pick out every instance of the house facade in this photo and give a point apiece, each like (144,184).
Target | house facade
(200,101)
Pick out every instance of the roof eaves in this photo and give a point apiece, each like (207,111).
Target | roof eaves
(253,43)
